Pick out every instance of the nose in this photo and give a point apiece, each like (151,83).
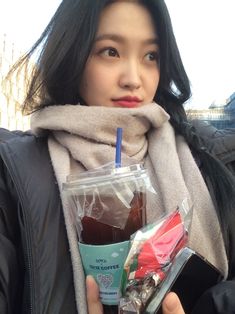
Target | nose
(130,77)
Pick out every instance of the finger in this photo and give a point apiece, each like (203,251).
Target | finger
(93,299)
(172,305)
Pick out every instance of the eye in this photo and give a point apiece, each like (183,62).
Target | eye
(152,56)
(109,52)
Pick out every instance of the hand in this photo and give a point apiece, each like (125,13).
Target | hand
(93,299)
(171,304)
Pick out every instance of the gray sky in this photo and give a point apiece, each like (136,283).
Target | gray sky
(204,31)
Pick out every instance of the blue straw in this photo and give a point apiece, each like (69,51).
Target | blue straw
(118,148)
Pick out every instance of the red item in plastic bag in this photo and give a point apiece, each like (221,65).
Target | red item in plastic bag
(157,252)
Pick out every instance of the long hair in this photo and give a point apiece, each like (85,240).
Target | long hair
(60,55)
(62,52)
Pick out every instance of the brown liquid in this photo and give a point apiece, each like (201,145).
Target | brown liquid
(110,309)
(98,233)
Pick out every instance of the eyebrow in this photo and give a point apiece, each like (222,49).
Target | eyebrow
(121,39)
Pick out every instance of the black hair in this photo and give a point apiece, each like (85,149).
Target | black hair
(64,48)
(60,55)
(173,91)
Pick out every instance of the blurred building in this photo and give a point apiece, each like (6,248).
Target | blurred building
(220,115)
(10,103)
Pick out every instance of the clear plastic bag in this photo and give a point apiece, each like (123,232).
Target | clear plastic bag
(108,200)
(152,252)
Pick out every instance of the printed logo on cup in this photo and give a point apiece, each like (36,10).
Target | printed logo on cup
(105,264)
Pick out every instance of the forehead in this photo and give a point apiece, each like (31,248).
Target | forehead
(126,17)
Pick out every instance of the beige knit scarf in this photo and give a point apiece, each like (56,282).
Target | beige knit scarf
(82,138)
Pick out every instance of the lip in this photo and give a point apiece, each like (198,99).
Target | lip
(127,101)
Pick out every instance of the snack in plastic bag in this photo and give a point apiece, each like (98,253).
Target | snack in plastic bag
(151,254)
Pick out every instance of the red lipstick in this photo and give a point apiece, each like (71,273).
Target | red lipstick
(127,101)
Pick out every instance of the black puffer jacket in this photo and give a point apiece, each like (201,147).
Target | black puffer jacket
(220,142)
(35,264)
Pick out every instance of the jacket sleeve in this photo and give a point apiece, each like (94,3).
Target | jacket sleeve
(9,248)
(220,141)
(217,300)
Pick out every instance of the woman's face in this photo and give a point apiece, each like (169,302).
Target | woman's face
(123,67)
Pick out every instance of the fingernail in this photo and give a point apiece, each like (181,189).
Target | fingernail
(171,303)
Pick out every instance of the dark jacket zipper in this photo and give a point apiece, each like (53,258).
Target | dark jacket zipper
(29,262)
(28,241)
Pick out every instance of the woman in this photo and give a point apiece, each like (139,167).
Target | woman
(101,67)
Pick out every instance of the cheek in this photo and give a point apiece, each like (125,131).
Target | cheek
(153,84)
(96,84)
(88,82)
(97,76)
